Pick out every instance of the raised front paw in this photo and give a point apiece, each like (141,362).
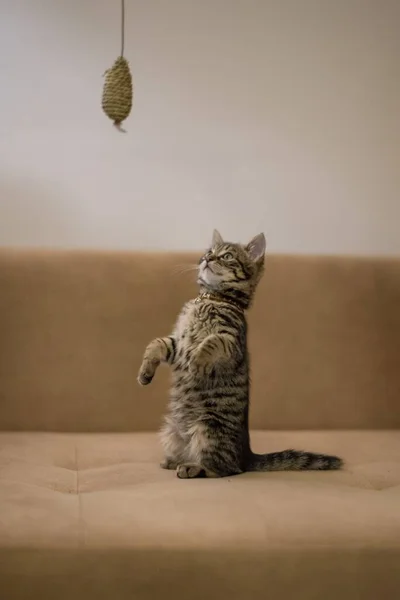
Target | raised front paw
(202,361)
(146,372)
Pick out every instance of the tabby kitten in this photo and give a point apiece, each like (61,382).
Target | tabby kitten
(206,431)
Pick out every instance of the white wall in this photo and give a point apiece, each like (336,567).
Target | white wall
(249,115)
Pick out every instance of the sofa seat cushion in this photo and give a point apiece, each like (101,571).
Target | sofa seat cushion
(68,496)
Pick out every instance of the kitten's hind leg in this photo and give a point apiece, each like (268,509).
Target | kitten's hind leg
(173,444)
(209,455)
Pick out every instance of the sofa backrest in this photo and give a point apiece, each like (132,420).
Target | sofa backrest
(324,340)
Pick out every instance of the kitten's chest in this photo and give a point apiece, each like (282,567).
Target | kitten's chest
(192,326)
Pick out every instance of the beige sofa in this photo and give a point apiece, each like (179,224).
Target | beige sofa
(86,512)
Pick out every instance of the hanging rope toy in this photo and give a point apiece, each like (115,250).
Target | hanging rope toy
(118,89)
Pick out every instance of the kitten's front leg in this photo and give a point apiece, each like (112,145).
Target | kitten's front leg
(159,350)
(213,352)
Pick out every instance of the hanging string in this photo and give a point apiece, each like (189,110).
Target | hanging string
(122,27)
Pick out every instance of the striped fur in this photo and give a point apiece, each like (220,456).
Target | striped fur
(206,433)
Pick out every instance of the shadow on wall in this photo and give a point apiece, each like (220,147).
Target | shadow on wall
(34,213)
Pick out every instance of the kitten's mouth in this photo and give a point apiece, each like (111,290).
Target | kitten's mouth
(207,276)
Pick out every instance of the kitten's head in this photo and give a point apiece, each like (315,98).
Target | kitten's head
(232,270)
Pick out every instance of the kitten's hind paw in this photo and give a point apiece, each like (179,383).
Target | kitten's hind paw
(171,465)
(190,471)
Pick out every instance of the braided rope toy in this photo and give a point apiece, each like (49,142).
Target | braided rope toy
(118,88)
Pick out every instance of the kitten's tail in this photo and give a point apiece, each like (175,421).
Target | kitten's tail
(293,460)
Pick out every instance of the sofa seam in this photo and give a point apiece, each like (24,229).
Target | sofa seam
(81,524)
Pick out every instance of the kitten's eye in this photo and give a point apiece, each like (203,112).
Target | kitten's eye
(227,256)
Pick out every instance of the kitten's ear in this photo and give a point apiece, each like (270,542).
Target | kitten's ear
(216,239)
(256,248)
